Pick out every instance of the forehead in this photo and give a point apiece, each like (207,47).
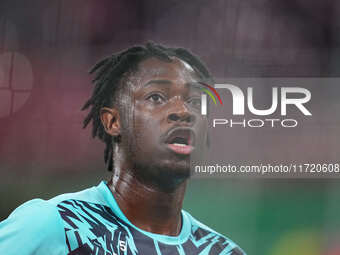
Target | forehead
(176,70)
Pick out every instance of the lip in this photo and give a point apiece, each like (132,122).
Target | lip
(184,150)
(183,133)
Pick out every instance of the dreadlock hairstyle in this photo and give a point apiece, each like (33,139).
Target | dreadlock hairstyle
(108,74)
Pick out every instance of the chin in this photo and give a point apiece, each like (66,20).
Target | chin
(171,177)
(168,173)
(176,170)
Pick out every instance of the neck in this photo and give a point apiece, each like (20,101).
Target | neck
(148,207)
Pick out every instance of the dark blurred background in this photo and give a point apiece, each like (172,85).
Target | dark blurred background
(47,47)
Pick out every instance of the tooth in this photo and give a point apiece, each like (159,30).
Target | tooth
(180,144)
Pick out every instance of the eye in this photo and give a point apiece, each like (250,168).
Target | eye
(196,102)
(156,98)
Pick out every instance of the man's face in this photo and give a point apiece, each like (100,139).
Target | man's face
(164,128)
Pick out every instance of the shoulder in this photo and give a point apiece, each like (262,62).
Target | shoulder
(41,224)
(39,212)
(33,214)
(218,242)
(35,225)
(89,195)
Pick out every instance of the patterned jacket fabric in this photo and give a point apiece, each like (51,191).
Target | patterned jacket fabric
(90,222)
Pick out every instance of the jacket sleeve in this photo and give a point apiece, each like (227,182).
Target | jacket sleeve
(33,228)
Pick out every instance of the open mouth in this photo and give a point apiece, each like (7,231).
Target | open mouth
(181,141)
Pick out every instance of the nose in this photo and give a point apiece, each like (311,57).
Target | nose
(181,114)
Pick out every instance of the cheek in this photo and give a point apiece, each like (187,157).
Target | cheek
(147,129)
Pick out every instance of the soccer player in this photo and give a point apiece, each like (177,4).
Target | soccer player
(145,107)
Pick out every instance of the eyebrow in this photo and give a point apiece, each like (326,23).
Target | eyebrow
(168,82)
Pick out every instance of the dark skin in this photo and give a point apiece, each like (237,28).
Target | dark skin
(150,178)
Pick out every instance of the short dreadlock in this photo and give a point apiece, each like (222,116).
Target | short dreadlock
(108,74)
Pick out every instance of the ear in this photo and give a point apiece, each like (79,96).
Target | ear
(111,120)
